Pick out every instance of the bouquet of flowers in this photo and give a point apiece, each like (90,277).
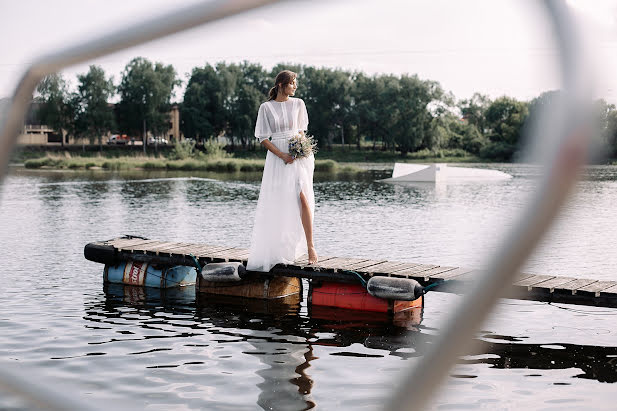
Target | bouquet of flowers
(302,146)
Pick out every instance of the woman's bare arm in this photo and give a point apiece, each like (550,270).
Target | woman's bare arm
(283,156)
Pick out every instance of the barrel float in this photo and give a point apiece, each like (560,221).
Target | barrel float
(356,297)
(261,287)
(146,275)
(390,288)
(223,272)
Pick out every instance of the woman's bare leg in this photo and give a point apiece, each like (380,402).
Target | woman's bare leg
(307,223)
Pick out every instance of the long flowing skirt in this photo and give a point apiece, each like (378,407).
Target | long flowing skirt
(278,234)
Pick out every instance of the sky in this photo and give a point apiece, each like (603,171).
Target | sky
(494,47)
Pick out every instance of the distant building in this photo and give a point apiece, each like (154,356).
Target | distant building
(35,133)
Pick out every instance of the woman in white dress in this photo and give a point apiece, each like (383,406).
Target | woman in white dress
(283,228)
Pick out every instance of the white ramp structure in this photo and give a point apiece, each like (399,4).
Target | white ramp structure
(437,172)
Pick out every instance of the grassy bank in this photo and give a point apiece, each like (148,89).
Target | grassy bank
(368,155)
(213,157)
(206,163)
(337,153)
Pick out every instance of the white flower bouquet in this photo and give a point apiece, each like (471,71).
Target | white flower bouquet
(301,146)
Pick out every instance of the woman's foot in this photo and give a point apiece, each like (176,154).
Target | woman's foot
(312,255)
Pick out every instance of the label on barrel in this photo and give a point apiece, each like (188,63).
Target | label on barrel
(134,273)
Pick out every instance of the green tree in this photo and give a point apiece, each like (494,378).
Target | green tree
(57,110)
(474,110)
(327,94)
(203,110)
(251,90)
(610,132)
(447,132)
(505,118)
(605,121)
(230,78)
(95,116)
(145,92)
(364,111)
(413,120)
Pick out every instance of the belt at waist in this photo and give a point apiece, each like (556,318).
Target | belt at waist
(284,135)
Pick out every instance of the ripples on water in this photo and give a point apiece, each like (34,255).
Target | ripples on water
(174,349)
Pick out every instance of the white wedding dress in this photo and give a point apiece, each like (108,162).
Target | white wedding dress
(278,235)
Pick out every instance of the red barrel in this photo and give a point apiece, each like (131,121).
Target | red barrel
(355,297)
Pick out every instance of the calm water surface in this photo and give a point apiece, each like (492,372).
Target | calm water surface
(176,350)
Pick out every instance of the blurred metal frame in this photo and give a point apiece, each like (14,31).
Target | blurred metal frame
(565,126)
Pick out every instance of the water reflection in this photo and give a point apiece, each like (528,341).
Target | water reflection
(282,336)
(282,339)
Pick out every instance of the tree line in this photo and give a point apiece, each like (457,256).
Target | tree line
(402,113)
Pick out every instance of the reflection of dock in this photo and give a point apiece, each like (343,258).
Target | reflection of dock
(449,279)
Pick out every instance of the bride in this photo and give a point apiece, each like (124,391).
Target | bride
(286,204)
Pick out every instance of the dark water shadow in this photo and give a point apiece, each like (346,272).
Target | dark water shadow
(596,362)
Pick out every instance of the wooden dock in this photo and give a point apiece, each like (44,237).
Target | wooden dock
(450,279)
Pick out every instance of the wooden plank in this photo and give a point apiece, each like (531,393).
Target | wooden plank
(572,286)
(387,267)
(122,240)
(349,263)
(338,263)
(552,283)
(117,241)
(365,265)
(612,290)
(237,254)
(209,250)
(522,276)
(415,270)
(143,246)
(186,249)
(156,248)
(303,261)
(125,242)
(597,287)
(243,256)
(449,275)
(428,274)
(177,248)
(139,247)
(465,277)
(203,249)
(530,281)
(225,254)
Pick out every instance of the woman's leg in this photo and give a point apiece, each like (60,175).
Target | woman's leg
(307,223)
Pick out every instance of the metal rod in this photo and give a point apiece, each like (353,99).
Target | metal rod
(149,30)
(420,384)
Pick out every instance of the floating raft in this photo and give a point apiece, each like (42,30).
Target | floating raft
(345,270)
(404,172)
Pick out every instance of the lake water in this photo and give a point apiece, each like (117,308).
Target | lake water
(175,350)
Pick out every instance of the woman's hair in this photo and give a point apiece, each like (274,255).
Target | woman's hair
(282,79)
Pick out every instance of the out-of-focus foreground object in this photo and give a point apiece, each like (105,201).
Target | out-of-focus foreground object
(565,131)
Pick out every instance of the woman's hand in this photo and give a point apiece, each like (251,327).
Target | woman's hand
(287,158)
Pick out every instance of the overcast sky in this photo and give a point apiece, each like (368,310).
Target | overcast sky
(495,47)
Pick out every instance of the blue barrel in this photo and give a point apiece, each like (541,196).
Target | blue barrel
(146,275)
